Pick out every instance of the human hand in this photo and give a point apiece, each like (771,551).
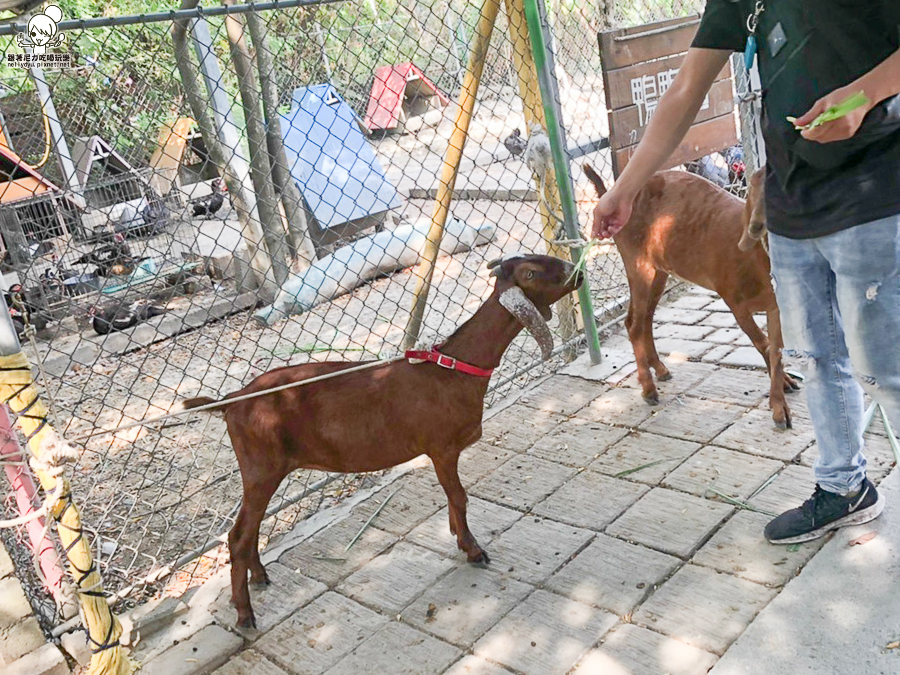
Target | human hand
(612,213)
(839,129)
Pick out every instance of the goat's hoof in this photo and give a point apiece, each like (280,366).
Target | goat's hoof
(480,558)
(664,377)
(652,399)
(247,622)
(261,583)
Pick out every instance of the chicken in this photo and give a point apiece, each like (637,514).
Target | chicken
(515,143)
(208,206)
(115,317)
(111,259)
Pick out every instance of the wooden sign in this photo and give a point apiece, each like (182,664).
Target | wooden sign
(639,64)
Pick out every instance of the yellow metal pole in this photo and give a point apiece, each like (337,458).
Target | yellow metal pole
(466,105)
(533,107)
(50,451)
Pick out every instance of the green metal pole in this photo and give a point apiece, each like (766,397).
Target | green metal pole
(539,32)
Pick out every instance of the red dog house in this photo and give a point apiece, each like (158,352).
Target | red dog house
(400,92)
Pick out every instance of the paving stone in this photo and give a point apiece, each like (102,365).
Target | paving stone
(465,604)
(685,376)
(475,665)
(13,604)
(756,433)
(415,498)
(740,548)
(590,500)
(250,662)
(534,548)
(622,374)
(732,473)
(47,660)
(316,637)
(577,442)
(745,357)
(6,565)
(203,652)
(693,419)
(704,608)
(323,557)
(691,301)
(545,635)
(681,332)
(716,354)
(621,406)
(675,315)
(562,395)
(718,306)
(399,650)
(523,482)
(518,427)
(654,456)
(612,574)
(486,520)
(691,349)
(632,650)
(392,580)
(20,639)
(791,488)
(719,320)
(612,360)
(478,460)
(694,289)
(273,603)
(725,336)
(743,387)
(670,521)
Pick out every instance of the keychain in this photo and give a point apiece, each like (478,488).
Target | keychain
(752,21)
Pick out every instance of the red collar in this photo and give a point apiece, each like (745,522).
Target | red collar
(448,362)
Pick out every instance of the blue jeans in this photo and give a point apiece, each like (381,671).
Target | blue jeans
(839,298)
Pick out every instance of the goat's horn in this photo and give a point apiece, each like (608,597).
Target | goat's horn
(515,301)
(595,179)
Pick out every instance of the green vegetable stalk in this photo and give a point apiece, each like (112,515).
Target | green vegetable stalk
(835,112)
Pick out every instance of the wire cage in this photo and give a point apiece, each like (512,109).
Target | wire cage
(92,252)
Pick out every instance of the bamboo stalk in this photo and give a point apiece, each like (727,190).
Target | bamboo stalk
(466,106)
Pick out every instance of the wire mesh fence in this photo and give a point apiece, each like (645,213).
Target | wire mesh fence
(141,269)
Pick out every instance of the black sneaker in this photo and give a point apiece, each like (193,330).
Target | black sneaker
(823,512)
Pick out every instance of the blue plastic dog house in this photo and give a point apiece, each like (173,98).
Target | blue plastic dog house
(336,169)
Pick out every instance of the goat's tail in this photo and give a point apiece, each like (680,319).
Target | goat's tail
(595,179)
(191,403)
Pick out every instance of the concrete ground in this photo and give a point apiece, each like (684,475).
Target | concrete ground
(624,540)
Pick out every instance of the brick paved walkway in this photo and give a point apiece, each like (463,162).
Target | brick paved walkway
(615,549)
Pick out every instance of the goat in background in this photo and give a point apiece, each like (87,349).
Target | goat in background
(381,417)
(683,225)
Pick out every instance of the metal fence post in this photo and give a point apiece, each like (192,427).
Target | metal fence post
(538,30)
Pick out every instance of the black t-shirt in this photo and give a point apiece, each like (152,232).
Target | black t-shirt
(807,48)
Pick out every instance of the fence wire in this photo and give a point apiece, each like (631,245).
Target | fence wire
(138,270)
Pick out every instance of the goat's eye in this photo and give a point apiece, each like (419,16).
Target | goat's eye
(529,274)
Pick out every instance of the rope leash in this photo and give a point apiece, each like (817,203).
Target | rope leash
(236,399)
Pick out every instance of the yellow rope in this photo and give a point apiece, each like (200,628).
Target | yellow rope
(50,452)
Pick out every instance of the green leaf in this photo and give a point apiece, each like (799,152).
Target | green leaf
(848,105)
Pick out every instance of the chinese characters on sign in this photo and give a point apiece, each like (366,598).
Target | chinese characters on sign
(45,61)
(647,90)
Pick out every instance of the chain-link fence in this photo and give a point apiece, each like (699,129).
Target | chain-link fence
(330,123)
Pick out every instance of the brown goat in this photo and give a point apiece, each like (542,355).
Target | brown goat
(381,417)
(683,225)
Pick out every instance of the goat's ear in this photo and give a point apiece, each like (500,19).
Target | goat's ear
(514,300)
(755,212)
